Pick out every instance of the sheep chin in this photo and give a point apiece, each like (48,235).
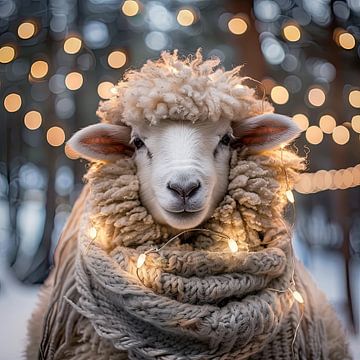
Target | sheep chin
(183,220)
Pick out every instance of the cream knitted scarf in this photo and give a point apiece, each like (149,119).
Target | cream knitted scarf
(194,298)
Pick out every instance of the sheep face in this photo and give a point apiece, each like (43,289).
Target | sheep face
(182,169)
(183,166)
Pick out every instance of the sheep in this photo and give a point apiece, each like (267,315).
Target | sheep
(185,160)
(182,165)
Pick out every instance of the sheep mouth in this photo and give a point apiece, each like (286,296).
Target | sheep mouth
(184,212)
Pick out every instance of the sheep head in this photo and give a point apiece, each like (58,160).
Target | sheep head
(183,166)
(180,119)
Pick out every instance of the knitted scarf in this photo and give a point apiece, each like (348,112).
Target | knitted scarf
(193,298)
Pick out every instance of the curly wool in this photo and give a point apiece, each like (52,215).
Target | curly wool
(189,89)
(194,299)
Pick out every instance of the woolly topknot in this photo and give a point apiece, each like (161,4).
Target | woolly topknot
(190,89)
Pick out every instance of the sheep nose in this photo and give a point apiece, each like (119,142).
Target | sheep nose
(184,189)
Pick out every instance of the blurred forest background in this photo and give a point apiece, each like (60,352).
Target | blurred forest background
(58,58)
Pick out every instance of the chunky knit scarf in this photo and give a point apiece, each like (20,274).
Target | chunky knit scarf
(193,298)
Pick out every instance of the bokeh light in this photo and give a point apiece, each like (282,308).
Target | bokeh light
(12,102)
(26,30)
(354,98)
(7,54)
(185,17)
(130,7)
(355,123)
(74,80)
(316,97)
(327,124)
(302,121)
(314,135)
(105,89)
(341,135)
(39,69)
(279,95)
(346,41)
(291,33)
(70,153)
(32,120)
(117,59)
(237,26)
(55,136)
(72,45)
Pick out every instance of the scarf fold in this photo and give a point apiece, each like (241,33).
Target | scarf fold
(194,298)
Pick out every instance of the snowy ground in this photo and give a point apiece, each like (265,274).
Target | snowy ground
(17,301)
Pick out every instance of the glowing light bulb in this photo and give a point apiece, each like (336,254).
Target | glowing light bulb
(298,297)
(290,196)
(292,33)
(72,45)
(130,8)
(55,136)
(233,246)
(140,261)
(237,26)
(92,233)
(26,30)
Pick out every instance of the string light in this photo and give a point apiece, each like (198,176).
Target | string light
(233,246)
(70,153)
(26,30)
(327,124)
(346,41)
(74,80)
(302,121)
(117,59)
(141,260)
(292,33)
(279,95)
(32,120)
(237,26)
(130,8)
(341,135)
(104,89)
(92,233)
(12,102)
(55,136)
(314,135)
(354,98)
(39,69)
(355,123)
(72,45)
(316,97)
(7,54)
(290,196)
(328,180)
(185,17)
(297,296)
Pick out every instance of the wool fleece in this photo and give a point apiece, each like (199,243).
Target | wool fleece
(193,299)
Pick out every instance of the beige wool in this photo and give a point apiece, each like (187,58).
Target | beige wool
(182,89)
(194,299)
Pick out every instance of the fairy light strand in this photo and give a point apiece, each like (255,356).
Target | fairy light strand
(233,246)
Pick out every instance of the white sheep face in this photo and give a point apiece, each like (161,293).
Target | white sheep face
(183,169)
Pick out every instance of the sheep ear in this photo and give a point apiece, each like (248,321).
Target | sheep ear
(265,132)
(102,142)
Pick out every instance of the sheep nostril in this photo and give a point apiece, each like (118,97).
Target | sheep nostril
(192,188)
(184,190)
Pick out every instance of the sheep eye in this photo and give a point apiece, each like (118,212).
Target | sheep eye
(138,143)
(225,140)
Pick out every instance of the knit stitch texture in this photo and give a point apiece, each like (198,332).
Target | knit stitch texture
(194,299)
